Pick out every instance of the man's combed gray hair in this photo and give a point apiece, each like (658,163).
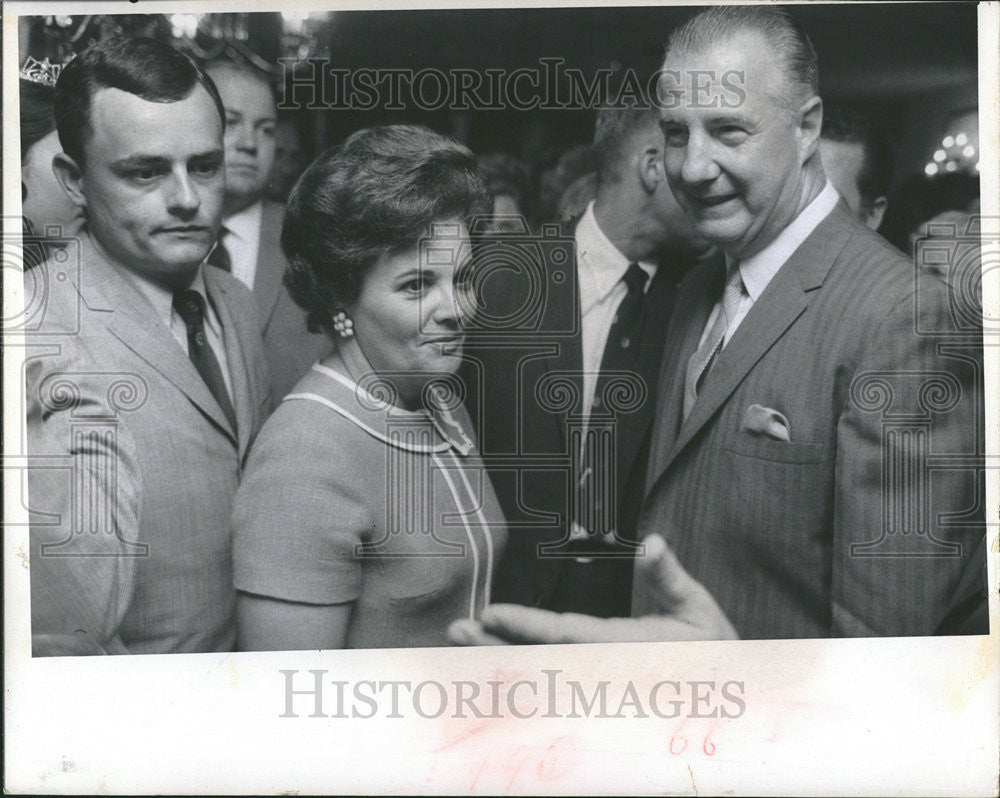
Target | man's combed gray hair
(780,28)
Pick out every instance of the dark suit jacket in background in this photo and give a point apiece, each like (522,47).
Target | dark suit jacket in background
(788,536)
(291,349)
(133,466)
(518,378)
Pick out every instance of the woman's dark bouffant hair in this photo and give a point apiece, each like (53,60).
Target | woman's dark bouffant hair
(38,117)
(376,194)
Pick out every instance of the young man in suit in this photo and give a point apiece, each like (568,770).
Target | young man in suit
(599,339)
(805,387)
(146,381)
(250,239)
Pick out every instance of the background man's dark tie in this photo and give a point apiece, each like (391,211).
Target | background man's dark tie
(621,349)
(591,583)
(190,305)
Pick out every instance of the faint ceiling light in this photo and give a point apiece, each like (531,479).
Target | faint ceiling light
(185,25)
(294,22)
(957,151)
(303,33)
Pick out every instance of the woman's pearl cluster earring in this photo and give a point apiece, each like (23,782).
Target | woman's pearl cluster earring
(343,325)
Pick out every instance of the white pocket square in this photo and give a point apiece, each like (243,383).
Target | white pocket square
(762,420)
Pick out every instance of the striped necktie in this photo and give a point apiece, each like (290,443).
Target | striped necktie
(190,306)
(700,363)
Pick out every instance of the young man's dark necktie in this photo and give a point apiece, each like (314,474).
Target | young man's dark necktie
(190,305)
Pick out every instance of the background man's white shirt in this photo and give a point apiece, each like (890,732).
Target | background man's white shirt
(242,241)
(600,269)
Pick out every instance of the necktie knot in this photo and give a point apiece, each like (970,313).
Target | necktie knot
(190,305)
(635,278)
(733,292)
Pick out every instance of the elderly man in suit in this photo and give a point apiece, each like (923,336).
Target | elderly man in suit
(804,388)
(146,380)
(599,339)
(250,238)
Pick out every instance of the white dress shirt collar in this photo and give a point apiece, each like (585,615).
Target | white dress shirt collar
(245,225)
(758,270)
(242,241)
(600,264)
(162,300)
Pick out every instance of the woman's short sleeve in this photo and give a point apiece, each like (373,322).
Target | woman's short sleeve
(298,515)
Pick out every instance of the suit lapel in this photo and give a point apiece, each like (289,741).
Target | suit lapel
(775,311)
(233,335)
(103,288)
(781,303)
(267,281)
(690,316)
(562,313)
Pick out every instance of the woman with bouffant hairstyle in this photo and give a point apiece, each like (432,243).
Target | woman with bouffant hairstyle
(49,217)
(365,517)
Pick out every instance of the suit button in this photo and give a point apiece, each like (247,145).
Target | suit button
(625,342)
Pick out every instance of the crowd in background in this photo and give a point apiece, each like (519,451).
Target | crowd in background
(859,156)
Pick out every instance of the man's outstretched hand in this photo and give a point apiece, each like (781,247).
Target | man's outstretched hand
(667,604)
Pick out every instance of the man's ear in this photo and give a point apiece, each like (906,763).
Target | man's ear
(876,212)
(70,177)
(810,121)
(651,167)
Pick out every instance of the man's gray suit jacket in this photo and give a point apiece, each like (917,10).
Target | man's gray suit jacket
(861,523)
(291,349)
(133,465)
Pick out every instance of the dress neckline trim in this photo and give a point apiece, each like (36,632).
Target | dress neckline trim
(446,427)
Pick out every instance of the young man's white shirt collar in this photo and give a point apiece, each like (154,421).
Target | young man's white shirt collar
(162,301)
